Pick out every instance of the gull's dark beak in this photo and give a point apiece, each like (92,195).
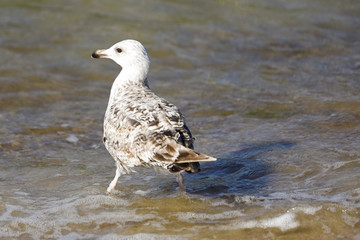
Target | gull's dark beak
(99,54)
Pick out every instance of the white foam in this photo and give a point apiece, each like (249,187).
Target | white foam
(141,236)
(73,235)
(349,220)
(72,139)
(142,193)
(284,222)
(195,217)
(307,210)
(57,216)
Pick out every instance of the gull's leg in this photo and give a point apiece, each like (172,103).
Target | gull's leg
(113,183)
(180,180)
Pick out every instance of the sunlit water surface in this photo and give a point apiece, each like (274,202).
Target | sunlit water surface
(271,88)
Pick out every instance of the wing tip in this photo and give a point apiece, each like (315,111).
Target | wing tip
(196,157)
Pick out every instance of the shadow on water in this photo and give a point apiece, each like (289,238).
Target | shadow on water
(244,172)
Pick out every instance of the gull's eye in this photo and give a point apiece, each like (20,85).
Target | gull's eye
(119,50)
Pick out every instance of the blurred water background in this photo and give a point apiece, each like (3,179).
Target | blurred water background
(271,88)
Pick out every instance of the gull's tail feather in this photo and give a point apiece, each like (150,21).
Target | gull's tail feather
(187,155)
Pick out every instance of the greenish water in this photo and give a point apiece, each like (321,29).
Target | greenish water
(271,88)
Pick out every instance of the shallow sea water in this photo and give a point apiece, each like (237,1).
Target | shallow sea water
(271,88)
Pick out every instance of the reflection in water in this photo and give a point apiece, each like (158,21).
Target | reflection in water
(270,88)
(242,172)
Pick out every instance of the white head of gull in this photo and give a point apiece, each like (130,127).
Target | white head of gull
(141,128)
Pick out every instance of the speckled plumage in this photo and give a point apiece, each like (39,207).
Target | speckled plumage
(141,128)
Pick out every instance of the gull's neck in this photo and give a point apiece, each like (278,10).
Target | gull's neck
(128,78)
(132,76)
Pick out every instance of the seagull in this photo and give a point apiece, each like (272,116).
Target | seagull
(140,128)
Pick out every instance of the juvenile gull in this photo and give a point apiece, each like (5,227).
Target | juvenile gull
(141,128)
